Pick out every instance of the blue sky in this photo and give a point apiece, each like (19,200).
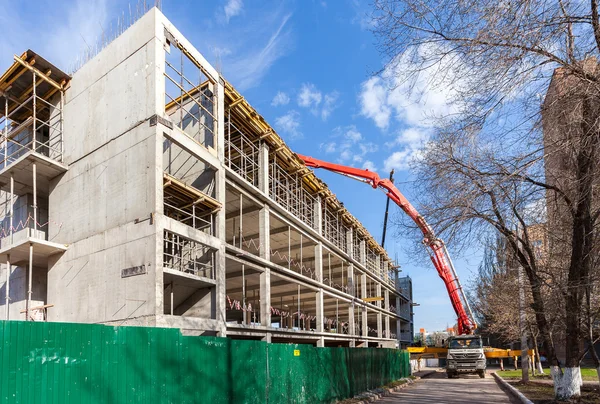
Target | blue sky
(307,67)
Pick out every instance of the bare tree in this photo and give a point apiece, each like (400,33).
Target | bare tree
(485,166)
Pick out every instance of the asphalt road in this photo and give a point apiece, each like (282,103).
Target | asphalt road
(437,388)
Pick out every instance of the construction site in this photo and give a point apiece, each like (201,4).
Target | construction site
(144,190)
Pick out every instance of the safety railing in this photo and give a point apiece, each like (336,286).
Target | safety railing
(188,256)
(190,217)
(241,154)
(287,191)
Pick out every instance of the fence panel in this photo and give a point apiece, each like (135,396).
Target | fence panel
(88,363)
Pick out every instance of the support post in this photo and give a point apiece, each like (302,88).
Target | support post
(220,220)
(365,329)
(319,293)
(350,243)
(34,133)
(318,216)
(386,306)
(265,276)
(7,286)
(29,282)
(12,204)
(379,314)
(35,217)
(263,168)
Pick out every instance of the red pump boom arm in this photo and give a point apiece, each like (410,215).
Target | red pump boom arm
(438,252)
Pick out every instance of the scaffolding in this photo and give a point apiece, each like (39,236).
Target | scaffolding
(241,154)
(288,192)
(31,115)
(190,94)
(188,256)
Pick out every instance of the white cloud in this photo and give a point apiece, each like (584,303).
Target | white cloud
(328,147)
(369,165)
(348,142)
(289,124)
(415,103)
(320,105)
(373,102)
(280,98)
(309,96)
(233,8)
(329,104)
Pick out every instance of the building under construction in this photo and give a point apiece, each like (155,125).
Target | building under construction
(143,189)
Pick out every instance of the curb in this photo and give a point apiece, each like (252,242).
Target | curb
(512,389)
(376,394)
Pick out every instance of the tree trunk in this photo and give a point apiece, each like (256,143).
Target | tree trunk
(566,382)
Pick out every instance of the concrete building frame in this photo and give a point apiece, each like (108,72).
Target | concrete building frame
(169,201)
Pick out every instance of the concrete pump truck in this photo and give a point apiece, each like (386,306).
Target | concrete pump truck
(465,351)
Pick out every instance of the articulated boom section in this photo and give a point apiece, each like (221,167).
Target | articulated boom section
(438,252)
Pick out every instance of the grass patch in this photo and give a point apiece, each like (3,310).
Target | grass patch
(588,374)
(544,394)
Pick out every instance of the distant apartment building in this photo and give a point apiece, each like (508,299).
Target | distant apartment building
(145,190)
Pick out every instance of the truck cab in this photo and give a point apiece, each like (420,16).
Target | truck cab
(465,355)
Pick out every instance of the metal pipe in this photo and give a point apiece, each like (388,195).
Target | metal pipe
(7,287)
(34,113)
(5,131)
(29,282)
(62,105)
(35,199)
(243,294)
(172,308)
(241,228)
(12,204)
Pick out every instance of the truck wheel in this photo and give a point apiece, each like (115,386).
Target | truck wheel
(482,374)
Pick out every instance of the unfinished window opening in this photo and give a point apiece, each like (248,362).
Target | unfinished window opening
(243,293)
(336,313)
(372,323)
(241,153)
(189,188)
(190,95)
(292,249)
(336,273)
(188,256)
(287,190)
(31,109)
(293,306)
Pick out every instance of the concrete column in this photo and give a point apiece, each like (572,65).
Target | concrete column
(319,309)
(350,243)
(363,253)
(319,293)
(220,289)
(363,282)
(398,321)
(386,305)
(265,277)
(321,342)
(263,168)
(379,314)
(7,286)
(318,216)
(351,280)
(351,319)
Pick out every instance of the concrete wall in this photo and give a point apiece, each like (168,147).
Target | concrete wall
(107,197)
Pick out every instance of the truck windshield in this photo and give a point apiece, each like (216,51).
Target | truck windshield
(465,343)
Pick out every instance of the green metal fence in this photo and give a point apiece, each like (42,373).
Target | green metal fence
(87,363)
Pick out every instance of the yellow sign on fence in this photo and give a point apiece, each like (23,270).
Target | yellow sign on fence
(296,352)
